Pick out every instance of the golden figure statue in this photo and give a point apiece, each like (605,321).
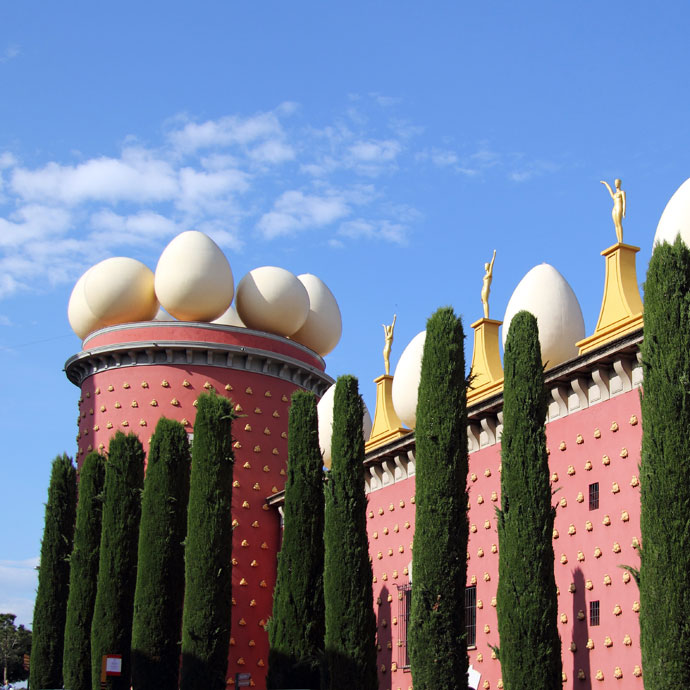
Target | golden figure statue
(486,284)
(388,333)
(618,212)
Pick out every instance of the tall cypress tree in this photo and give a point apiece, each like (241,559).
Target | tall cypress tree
(208,574)
(436,636)
(84,574)
(53,576)
(111,626)
(350,622)
(160,569)
(665,466)
(527,604)
(296,630)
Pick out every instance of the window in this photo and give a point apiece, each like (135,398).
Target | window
(404,601)
(404,605)
(471,615)
(594,496)
(594,613)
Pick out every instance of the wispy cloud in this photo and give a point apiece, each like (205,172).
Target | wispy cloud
(9,53)
(294,211)
(18,581)
(267,176)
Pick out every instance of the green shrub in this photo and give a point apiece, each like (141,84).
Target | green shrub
(50,608)
(438,654)
(84,574)
(111,626)
(208,554)
(527,604)
(156,628)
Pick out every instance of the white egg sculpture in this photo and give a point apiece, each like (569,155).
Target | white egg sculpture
(194,281)
(120,290)
(229,317)
(406,380)
(324,410)
(676,217)
(272,299)
(82,320)
(322,330)
(546,293)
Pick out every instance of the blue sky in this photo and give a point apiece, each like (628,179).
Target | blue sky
(387,147)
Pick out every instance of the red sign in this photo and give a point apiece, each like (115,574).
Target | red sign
(113,665)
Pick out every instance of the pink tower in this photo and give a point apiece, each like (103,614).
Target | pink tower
(133,374)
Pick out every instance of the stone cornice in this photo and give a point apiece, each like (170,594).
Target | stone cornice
(573,386)
(198,353)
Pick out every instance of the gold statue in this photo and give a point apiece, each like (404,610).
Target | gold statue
(388,333)
(486,285)
(618,212)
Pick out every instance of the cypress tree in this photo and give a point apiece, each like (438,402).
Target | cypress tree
(208,591)
(160,570)
(664,470)
(350,622)
(84,574)
(527,604)
(111,626)
(296,630)
(438,653)
(53,576)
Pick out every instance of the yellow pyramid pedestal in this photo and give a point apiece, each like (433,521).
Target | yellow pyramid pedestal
(387,425)
(486,373)
(621,306)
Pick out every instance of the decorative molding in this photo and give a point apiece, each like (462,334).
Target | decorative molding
(185,353)
(573,386)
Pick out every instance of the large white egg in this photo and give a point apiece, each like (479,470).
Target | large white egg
(230,317)
(676,217)
(322,330)
(406,380)
(82,320)
(546,293)
(271,299)
(120,290)
(194,280)
(324,410)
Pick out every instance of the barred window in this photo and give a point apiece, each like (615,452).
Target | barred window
(594,496)
(404,605)
(404,601)
(471,615)
(594,613)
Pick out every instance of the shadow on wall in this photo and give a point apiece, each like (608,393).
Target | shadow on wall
(287,672)
(580,634)
(384,632)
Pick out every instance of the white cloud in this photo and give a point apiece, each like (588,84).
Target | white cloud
(146,227)
(268,172)
(371,151)
(9,53)
(294,211)
(18,581)
(226,131)
(33,222)
(137,176)
(386,230)
(7,160)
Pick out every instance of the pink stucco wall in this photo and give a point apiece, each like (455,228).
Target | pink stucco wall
(573,441)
